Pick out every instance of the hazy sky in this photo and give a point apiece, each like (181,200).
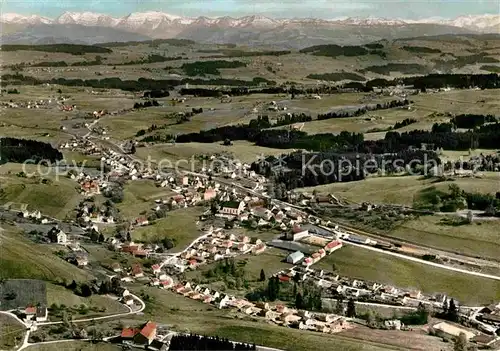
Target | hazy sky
(327,9)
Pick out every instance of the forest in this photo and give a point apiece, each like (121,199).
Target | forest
(337,76)
(421,49)
(195,342)
(471,121)
(363,110)
(434,81)
(312,169)
(22,150)
(202,68)
(73,49)
(140,84)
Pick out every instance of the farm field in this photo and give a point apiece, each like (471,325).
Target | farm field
(364,264)
(78,346)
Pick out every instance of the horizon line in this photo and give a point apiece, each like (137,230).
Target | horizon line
(2,14)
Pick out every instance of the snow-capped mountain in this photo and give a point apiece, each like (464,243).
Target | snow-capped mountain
(479,22)
(152,20)
(86,19)
(21,19)
(261,29)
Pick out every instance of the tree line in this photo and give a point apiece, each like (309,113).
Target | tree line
(364,109)
(138,85)
(20,150)
(74,49)
(202,68)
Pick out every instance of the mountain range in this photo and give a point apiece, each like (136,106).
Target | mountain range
(248,30)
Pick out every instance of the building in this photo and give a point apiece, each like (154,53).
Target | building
(232,208)
(56,235)
(41,314)
(295,257)
(297,233)
(146,334)
(332,246)
(451,331)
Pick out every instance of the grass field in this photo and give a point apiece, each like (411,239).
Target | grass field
(24,259)
(242,150)
(11,332)
(77,346)
(271,261)
(403,190)
(479,239)
(98,305)
(373,266)
(192,316)
(139,196)
(56,199)
(179,225)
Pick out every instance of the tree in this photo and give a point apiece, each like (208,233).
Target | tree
(460,342)
(129,238)
(339,307)
(262,275)
(351,308)
(94,235)
(299,301)
(455,191)
(72,286)
(452,313)
(370,319)
(85,290)
(101,238)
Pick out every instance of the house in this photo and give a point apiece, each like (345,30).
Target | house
(116,267)
(209,194)
(140,221)
(332,246)
(128,334)
(297,233)
(258,249)
(137,271)
(308,261)
(156,268)
(122,292)
(41,314)
(167,283)
(30,312)
(232,208)
(56,235)
(295,257)
(394,324)
(242,247)
(128,300)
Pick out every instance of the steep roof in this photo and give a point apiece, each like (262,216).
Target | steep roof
(149,330)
